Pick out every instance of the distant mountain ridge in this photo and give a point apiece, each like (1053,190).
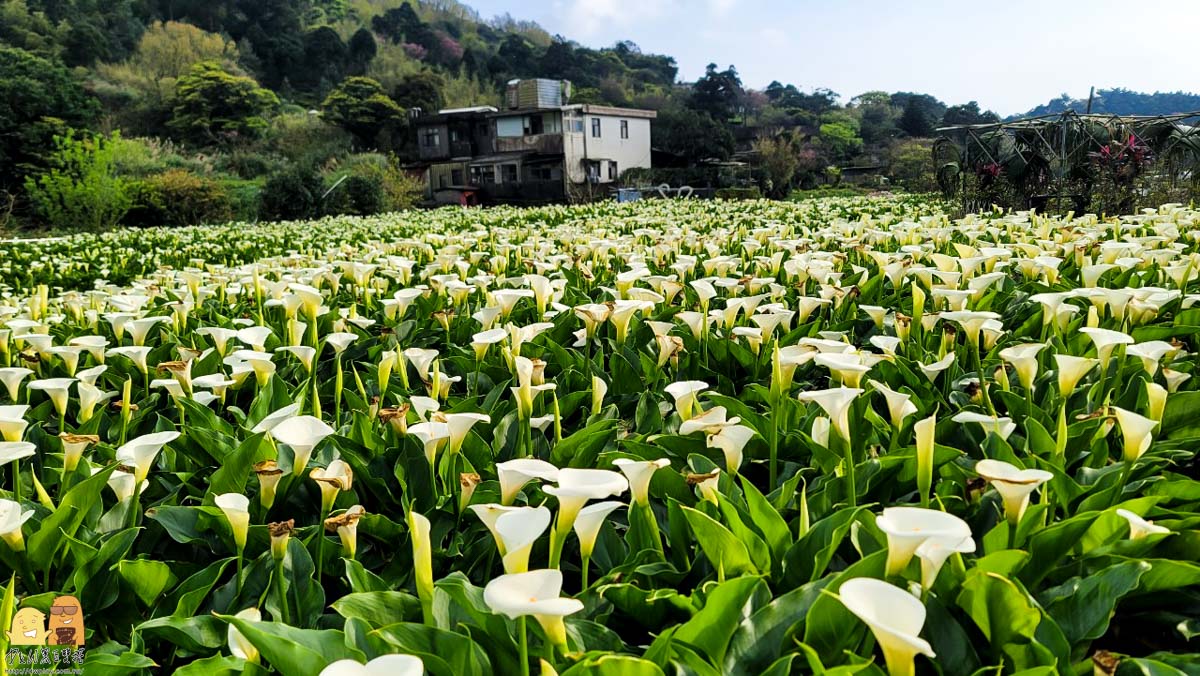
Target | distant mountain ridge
(1120,101)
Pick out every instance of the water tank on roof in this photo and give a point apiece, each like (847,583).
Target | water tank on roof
(536,93)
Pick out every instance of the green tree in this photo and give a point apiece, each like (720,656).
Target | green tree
(841,139)
(717,93)
(691,136)
(968,113)
(911,165)
(779,162)
(81,189)
(360,106)
(214,105)
(916,120)
(421,90)
(39,99)
(168,50)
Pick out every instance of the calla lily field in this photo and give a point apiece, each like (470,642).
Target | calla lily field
(839,436)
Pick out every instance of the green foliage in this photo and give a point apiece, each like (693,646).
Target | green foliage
(178,197)
(398,189)
(292,194)
(911,166)
(692,136)
(751,193)
(81,190)
(778,159)
(360,106)
(303,138)
(213,105)
(39,99)
(841,138)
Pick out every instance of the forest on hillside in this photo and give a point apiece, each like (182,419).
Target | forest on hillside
(148,112)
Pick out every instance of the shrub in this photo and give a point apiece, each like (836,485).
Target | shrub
(81,189)
(306,139)
(291,194)
(178,197)
(738,193)
(357,195)
(400,189)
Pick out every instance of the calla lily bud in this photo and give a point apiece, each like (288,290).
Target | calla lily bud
(268,474)
(281,532)
(599,389)
(1156,396)
(422,550)
(924,430)
(236,508)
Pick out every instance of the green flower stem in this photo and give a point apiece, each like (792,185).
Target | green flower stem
(774,449)
(337,393)
(16,477)
(848,459)
(321,543)
(583,571)
(240,560)
(282,600)
(983,386)
(523,638)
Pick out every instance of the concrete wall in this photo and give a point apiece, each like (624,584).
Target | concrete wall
(626,152)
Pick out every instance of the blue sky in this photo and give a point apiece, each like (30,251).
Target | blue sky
(1009,55)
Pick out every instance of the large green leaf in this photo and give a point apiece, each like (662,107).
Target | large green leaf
(292,651)
(723,549)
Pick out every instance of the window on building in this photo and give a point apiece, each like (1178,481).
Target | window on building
(455,137)
(612,170)
(578,125)
(595,127)
(534,124)
(624,128)
(541,173)
(508,173)
(431,138)
(456,176)
(483,175)
(593,171)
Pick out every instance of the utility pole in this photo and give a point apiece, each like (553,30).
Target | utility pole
(1091,95)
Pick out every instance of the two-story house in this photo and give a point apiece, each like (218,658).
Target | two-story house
(540,150)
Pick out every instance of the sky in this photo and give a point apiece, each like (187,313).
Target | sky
(1009,55)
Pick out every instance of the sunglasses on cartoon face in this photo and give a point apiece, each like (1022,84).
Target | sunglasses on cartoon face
(63,610)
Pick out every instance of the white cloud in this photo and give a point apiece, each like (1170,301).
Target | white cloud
(721,6)
(587,18)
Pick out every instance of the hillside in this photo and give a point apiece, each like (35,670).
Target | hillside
(1120,101)
(256,108)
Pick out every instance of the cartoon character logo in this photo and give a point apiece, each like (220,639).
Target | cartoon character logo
(66,622)
(28,628)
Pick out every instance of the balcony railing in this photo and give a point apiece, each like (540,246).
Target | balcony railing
(545,144)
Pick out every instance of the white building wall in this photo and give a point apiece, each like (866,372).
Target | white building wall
(628,153)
